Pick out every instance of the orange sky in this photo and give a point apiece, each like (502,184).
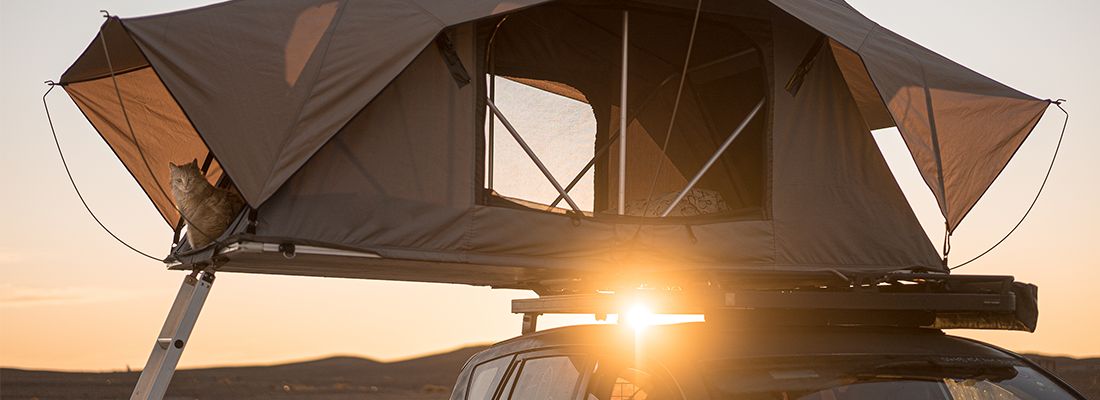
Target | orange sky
(72,298)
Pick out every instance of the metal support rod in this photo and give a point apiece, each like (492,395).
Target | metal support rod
(492,122)
(535,158)
(173,337)
(578,177)
(600,153)
(622,114)
(530,323)
(652,95)
(714,158)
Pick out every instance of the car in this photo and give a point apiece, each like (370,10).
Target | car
(703,360)
(817,351)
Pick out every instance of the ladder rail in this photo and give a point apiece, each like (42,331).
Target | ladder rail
(173,337)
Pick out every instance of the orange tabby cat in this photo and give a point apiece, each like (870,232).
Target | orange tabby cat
(208,210)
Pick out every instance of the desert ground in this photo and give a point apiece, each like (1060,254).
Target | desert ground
(336,378)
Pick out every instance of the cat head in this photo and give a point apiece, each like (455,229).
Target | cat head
(184,177)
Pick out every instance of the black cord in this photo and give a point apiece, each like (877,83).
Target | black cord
(633,241)
(190,226)
(1055,157)
(71,180)
(675,106)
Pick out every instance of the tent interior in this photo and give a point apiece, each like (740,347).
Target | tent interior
(384,159)
(570,51)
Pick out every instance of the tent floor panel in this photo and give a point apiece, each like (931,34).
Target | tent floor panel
(270,258)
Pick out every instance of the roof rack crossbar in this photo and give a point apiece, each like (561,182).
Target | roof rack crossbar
(933,301)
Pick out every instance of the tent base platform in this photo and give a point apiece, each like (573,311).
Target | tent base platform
(299,260)
(244,256)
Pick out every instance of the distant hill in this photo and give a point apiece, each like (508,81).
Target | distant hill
(1083,373)
(337,378)
(429,377)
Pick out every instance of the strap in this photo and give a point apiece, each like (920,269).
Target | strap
(206,163)
(178,230)
(799,75)
(450,56)
(253,214)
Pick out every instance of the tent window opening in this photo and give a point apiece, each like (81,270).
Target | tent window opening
(555,77)
(558,129)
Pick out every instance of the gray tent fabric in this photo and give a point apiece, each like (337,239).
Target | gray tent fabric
(152,109)
(937,104)
(344,128)
(336,55)
(314,64)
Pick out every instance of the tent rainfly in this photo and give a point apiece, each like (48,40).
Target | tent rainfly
(360,134)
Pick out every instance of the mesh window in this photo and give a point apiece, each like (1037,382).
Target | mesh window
(562,94)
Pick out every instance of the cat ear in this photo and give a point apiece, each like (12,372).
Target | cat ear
(195,162)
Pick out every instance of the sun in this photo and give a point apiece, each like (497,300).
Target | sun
(640,317)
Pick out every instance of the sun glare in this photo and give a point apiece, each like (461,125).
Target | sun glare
(639,317)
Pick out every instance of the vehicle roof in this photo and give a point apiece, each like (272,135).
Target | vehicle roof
(706,341)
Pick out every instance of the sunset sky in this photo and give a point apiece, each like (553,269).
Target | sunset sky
(72,298)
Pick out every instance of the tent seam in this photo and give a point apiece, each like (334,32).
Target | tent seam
(934,133)
(429,13)
(312,89)
(141,50)
(867,39)
(367,104)
(298,116)
(1038,117)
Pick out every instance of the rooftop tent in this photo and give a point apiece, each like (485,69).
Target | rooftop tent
(358,133)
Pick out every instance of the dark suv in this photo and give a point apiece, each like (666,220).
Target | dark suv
(705,361)
(873,341)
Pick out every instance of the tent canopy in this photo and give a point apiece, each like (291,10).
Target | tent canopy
(361,127)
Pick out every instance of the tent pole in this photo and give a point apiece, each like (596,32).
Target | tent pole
(535,158)
(615,135)
(492,118)
(714,158)
(622,114)
(173,336)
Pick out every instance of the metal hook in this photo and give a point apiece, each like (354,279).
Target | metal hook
(288,250)
(574,217)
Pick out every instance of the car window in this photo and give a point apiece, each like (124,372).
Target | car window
(615,379)
(879,377)
(547,378)
(486,377)
(1027,384)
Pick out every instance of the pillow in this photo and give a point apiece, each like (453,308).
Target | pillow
(696,202)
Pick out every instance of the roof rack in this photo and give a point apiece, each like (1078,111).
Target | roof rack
(937,301)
